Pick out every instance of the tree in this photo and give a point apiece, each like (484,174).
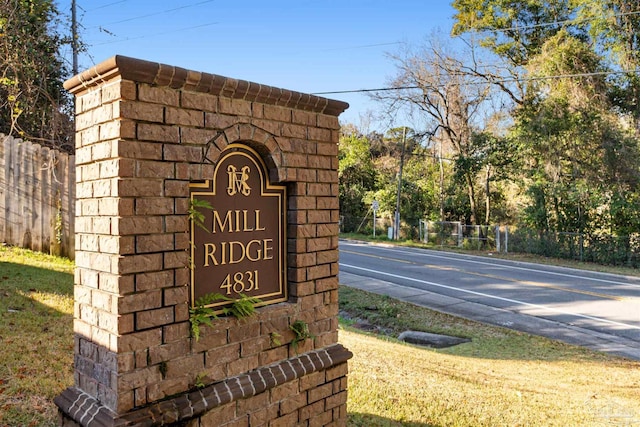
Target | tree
(33,103)
(412,176)
(356,173)
(435,83)
(512,29)
(516,31)
(614,25)
(494,161)
(574,68)
(571,136)
(369,170)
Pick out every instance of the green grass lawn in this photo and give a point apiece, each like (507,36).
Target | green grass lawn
(500,378)
(36,335)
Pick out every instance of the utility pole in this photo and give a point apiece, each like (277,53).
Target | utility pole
(74,37)
(396,227)
(441,181)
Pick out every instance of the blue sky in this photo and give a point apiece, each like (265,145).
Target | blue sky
(304,45)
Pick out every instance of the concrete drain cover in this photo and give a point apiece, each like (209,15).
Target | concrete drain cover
(431,340)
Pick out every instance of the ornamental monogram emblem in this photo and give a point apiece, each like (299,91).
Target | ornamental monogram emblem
(238,181)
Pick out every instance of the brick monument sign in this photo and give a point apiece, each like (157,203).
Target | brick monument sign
(200,199)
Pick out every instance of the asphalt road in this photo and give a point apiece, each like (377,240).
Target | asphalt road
(597,310)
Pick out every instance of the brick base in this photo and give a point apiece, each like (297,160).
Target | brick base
(307,390)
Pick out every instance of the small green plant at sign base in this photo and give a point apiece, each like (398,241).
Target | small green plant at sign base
(243,307)
(199,381)
(200,314)
(197,218)
(275,339)
(301,330)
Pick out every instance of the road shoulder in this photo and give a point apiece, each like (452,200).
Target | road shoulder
(598,341)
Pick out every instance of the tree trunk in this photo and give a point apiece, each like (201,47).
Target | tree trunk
(472,199)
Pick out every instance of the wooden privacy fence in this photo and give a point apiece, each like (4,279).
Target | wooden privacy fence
(37,197)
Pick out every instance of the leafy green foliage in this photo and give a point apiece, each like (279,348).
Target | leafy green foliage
(275,339)
(575,128)
(194,213)
(202,314)
(356,174)
(301,330)
(614,26)
(369,166)
(242,307)
(200,381)
(506,25)
(33,103)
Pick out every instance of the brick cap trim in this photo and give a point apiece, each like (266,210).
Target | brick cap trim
(86,411)
(154,73)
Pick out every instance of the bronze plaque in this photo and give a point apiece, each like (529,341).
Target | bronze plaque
(238,241)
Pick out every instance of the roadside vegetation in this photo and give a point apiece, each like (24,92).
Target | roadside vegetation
(500,378)
(526,117)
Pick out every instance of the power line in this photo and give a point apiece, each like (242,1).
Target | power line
(382,89)
(360,46)
(156,13)
(547,24)
(105,5)
(153,35)
(512,80)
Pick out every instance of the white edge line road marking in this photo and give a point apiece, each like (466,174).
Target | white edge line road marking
(493,276)
(466,259)
(439,285)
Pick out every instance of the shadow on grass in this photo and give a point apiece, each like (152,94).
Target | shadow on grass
(32,297)
(356,419)
(36,342)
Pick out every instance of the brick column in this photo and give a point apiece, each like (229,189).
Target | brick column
(144,131)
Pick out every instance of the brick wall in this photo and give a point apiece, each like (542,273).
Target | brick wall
(143,132)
